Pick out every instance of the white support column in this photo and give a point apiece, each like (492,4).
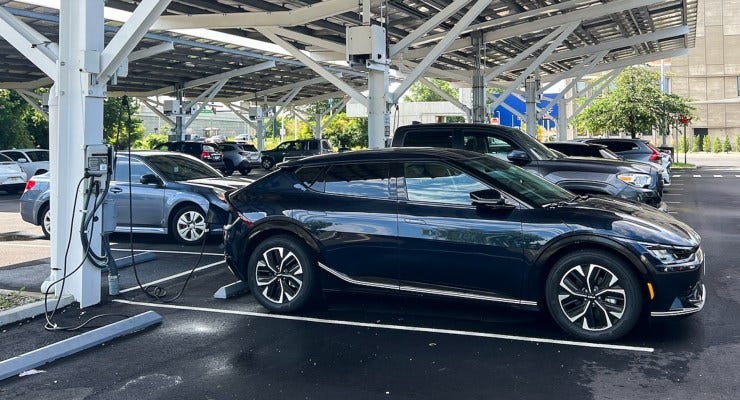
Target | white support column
(378,130)
(531,90)
(316,67)
(440,47)
(34,46)
(77,106)
(317,125)
(562,120)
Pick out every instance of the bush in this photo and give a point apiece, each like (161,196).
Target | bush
(706,144)
(149,141)
(726,146)
(683,145)
(696,146)
(717,147)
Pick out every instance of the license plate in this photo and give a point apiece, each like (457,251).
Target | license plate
(216,157)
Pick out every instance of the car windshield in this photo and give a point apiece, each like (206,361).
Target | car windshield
(539,149)
(178,168)
(520,183)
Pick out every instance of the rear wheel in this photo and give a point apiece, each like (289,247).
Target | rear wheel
(189,225)
(228,168)
(244,169)
(268,163)
(594,296)
(45,220)
(281,274)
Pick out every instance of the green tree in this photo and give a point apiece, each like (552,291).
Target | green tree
(121,122)
(14,128)
(346,131)
(697,146)
(683,145)
(149,141)
(726,146)
(419,92)
(636,105)
(737,143)
(706,144)
(717,146)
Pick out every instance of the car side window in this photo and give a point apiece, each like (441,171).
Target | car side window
(474,143)
(432,138)
(313,145)
(363,180)
(326,145)
(309,177)
(15,155)
(138,169)
(38,155)
(499,147)
(439,183)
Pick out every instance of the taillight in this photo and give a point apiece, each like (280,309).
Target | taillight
(30,184)
(205,155)
(656,154)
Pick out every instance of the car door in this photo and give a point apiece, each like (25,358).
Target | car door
(496,145)
(146,201)
(450,247)
(352,211)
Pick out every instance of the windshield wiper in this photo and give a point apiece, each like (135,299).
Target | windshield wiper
(556,204)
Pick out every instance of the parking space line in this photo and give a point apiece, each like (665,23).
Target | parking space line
(697,176)
(676,176)
(673,202)
(717,176)
(676,184)
(167,278)
(396,327)
(173,252)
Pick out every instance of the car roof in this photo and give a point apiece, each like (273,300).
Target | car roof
(389,154)
(619,140)
(583,144)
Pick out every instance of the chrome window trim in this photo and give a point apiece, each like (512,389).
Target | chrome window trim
(414,289)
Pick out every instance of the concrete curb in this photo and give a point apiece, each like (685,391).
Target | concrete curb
(231,290)
(31,310)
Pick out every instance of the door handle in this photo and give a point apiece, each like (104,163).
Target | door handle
(116,190)
(414,221)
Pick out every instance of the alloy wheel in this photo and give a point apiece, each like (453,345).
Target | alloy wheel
(47,221)
(191,226)
(279,275)
(592,297)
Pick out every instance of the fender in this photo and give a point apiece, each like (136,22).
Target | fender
(285,224)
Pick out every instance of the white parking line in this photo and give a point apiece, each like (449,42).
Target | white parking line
(697,176)
(172,277)
(173,252)
(672,194)
(737,176)
(395,327)
(672,212)
(717,176)
(673,202)
(676,184)
(676,176)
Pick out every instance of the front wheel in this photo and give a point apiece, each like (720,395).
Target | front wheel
(45,214)
(281,274)
(189,225)
(268,163)
(594,296)
(244,168)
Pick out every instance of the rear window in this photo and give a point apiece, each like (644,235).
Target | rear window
(618,147)
(248,147)
(432,138)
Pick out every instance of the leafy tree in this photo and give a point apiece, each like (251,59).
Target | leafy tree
(14,128)
(346,131)
(717,146)
(148,142)
(636,106)
(419,92)
(726,146)
(117,128)
(697,146)
(706,144)
(737,143)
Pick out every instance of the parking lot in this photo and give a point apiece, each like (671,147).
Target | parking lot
(362,346)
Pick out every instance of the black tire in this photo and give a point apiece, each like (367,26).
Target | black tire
(45,221)
(244,168)
(296,284)
(268,163)
(188,225)
(588,311)
(228,168)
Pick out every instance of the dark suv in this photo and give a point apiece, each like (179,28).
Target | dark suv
(583,176)
(206,152)
(295,149)
(629,149)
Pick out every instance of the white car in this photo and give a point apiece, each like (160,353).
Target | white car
(12,177)
(33,161)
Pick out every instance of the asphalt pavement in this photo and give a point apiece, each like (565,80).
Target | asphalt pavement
(369,347)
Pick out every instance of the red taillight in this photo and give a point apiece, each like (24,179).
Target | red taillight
(205,155)
(30,184)
(656,154)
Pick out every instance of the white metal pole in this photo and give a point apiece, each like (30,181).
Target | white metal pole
(377,87)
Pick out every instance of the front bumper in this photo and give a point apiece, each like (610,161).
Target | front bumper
(647,196)
(691,303)
(679,292)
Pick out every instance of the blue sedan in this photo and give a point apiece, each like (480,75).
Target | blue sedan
(171,193)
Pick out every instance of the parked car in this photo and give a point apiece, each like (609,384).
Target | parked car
(295,149)
(581,149)
(242,138)
(457,224)
(33,161)
(583,176)
(629,149)
(242,157)
(172,194)
(12,176)
(206,152)
(216,139)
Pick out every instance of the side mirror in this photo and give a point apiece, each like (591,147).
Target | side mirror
(490,199)
(518,157)
(22,160)
(149,179)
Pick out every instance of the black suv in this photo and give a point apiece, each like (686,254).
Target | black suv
(295,149)
(206,152)
(582,176)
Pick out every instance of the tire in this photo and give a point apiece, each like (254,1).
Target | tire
(244,169)
(296,284)
(584,310)
(188,225)
(268,163)
(228,169)
(45,221)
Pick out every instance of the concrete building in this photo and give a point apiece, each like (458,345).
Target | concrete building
(710,73)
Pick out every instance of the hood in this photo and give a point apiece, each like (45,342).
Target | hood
(630,220)
(604,163)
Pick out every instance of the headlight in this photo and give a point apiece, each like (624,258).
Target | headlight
(674,259)
(220,194)
(639,180)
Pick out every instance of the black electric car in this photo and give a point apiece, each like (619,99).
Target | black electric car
(583,176)
(459,224)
